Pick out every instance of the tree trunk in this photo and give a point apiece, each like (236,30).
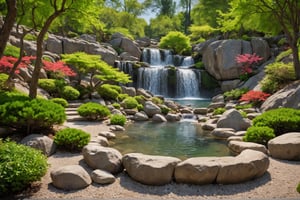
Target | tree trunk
(8,24)
(296,60)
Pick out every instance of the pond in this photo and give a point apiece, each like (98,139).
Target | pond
(193,102)
(182,139)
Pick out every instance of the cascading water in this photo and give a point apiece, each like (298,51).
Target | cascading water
(163,78)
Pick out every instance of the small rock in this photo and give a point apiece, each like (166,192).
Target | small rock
(159,118)
(102,177)
(116,128)
(109,135)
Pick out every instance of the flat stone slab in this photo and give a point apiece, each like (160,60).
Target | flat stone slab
(150,169)
(239,146)
(223,133)
(286,146)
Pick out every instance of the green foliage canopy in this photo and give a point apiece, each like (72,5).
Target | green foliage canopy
(176,41)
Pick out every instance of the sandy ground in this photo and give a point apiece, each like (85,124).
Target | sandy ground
(279,182)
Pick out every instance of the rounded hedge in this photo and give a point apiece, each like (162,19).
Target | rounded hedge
(118,120)
(109,92)
(60,101)
(93,111)
(71,139)
(176,41)
(281,120)
(32,114)
(69,93)
(48,85)
(259,135)
(130,103)
(20,165)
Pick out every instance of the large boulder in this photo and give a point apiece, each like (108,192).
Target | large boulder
(151,109)
(140,116)
(219,56)
(70,177)
(286,146)
(105,158)
(131,47)
(233,119)
(287,97)
(246,166)
(239,146)
(198,170)
(149,169)
(40,142)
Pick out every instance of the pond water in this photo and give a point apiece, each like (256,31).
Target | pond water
(182,139)
(193,102)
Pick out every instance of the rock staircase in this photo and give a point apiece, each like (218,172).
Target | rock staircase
(71,112)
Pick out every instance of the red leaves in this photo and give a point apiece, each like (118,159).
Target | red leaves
(248,59)
(254,96)
(7,63)
(58,67)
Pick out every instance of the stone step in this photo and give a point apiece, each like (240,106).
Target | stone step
(71,112)
(74,104)
(72,118)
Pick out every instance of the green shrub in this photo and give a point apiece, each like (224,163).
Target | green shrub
(60,101)
(176,41)
(12,96)
(281,120)
(244,106)
(235,94)
(140,107)
(121,97)
(219,111)
(243,113)
(298,188)
(11,50)
(109,92)
(48,85)
(32,114)
(116,105)
(93,111)
(259,135)
(140,98)
(118,120)
(70,93)
(20,166)
(199,65)
(3,78)
(71,139)
(130,103)
(283,55)
(165,109)
(278,75)
(157,100)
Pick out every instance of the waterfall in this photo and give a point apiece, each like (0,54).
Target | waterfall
(187,83)
(157,57)
(125,66)
(187,61)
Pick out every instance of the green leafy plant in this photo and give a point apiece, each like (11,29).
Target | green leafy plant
(130,103)
(93,111)
(157,100)
(69,93)
(72,139)
(116,105)
(259,135)
(31,114)
(60,101)
(121,97)
(278,75)
(199,65)
(109,92)
(140,98)
(219,111)
(243,106)
(7,96)
(281,120)
(176,41)
(11,50)
(19,167)
(235,94)
(118,120)
(164,109)
(140,107)
(3,78)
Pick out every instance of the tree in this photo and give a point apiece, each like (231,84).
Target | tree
(97,69)
(162,7)
(9,21)
(268,16)
(187,4)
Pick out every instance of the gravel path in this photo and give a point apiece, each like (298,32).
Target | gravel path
(279,182)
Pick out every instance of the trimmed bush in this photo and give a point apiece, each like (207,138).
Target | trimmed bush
(31,114)
(109,92)
(72,139)
(219,111)
(140,107)
(235,94)
(259,135)
(121,97)
(69,93)
(3,78)
(60,101)
(130,103)
(176,41)
(20,166)
(140,98)
(116,105)
(11,50)
(281,120)
(48,85)
(93,111)
(118,120)
(12,96)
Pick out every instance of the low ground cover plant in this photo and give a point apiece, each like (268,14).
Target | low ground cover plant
(118,120)
(235,94)
(20,165)
(281,120)
(93,111)
(71,139)
(259,135)
(60,101)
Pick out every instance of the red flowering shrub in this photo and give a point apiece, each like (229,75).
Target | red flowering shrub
(58,68)
(7,63)
(247,61)
(255,97)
